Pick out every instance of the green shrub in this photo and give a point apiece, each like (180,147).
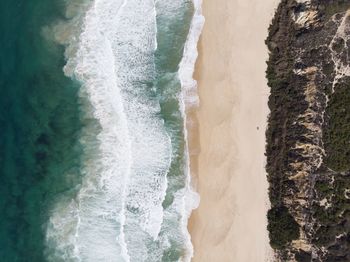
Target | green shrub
(282,227)
(337,131)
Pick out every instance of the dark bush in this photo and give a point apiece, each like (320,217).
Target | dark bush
(282,227)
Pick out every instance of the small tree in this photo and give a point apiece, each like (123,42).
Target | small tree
(282,227)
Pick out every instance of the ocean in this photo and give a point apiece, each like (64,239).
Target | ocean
(93,144)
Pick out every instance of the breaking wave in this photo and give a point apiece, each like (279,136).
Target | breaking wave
(135,198)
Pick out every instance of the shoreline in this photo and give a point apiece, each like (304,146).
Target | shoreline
(227,133)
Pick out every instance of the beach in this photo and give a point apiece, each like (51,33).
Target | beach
(227,133)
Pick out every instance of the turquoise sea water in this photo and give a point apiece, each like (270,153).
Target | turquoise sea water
(39,126)
(93,148)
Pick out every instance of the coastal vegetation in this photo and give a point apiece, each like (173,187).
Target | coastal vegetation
(332,7)
(308,135)
(282,227)
(337,130)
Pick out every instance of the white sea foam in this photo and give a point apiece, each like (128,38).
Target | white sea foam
(188,99)
(189,85)
(126,182)
(118,213)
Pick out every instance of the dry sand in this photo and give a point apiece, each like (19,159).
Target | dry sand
(230,223)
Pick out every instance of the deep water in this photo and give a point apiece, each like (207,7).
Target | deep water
(39,126)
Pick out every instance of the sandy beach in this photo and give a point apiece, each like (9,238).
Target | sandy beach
(227,133)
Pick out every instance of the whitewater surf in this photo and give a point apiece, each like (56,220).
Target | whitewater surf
(134,61)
